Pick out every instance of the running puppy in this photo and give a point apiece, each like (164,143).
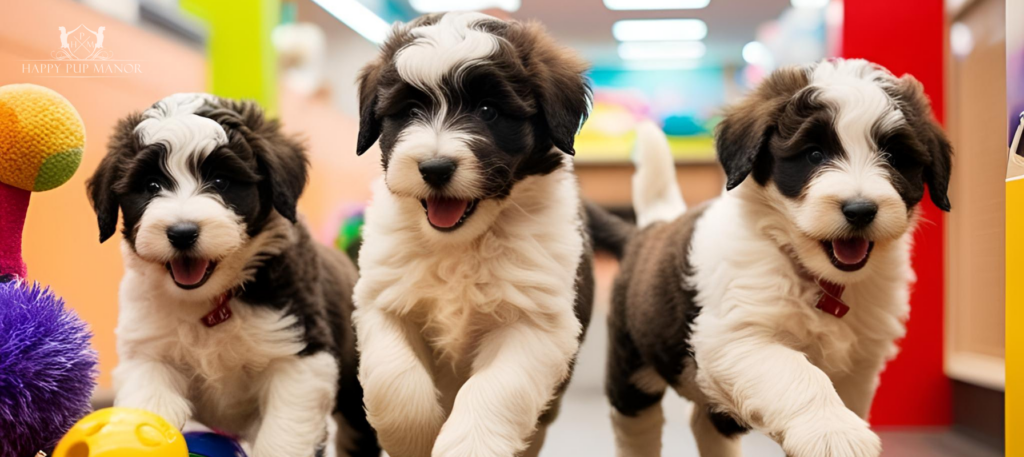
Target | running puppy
(230,314)
(776,306)
(476,283)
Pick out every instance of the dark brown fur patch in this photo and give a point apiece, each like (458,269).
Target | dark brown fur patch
(652,311)
(742,136)
(912,101)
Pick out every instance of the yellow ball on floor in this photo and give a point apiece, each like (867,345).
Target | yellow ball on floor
(122,432)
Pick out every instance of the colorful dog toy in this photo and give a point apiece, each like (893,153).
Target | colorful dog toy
(47,369)
(207,444)
(122,432)
(42,139)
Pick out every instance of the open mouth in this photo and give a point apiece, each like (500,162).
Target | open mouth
(849,254)
(447,214)
(190,273)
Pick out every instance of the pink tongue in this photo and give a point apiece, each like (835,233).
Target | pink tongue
(445,212)
(188,272)
(850,252)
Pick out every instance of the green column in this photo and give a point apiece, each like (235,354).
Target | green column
(242,61)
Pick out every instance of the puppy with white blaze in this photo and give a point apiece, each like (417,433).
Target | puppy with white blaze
(230,314)
(476,282)
(777,305)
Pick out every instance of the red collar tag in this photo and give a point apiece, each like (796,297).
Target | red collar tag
(222,312)
(831,299)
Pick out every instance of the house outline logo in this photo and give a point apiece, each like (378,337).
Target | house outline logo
(78,44)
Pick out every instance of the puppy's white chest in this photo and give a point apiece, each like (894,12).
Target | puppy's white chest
(224,363)
(838,344)
(245,343)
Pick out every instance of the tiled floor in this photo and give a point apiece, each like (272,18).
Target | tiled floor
(583,428)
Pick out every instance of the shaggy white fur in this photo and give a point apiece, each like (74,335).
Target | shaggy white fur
(426,139)
(464,343)
(764,352)
(448,47)
(188,137)
(245,377)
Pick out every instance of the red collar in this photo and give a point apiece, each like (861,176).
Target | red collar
(831,299)
(221,312)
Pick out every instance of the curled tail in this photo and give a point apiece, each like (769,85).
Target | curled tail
(656,195)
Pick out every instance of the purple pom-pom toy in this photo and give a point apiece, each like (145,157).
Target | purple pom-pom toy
(47,369)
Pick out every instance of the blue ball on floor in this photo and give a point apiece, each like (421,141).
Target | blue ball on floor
(208,444)
(47,369)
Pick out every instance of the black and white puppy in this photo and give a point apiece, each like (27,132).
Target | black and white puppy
(776,306)
(476,284)
(230,314)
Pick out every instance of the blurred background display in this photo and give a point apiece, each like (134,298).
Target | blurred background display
(676,62)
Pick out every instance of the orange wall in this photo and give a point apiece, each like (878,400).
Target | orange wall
(61,238)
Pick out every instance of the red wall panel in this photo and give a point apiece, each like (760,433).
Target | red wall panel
(907,37)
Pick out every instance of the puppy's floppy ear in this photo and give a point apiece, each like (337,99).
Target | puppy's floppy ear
(281,159)
(743,134)
(284,165)
(369,124)
(917,110)
(564,92)
(102,186)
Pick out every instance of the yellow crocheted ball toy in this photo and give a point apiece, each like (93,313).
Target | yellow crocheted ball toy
(42,137)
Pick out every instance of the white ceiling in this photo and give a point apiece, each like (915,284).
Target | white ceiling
(586,25)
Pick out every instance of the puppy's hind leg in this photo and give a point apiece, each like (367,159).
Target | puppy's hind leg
(348,440)
(637,417)
(355,437)
(638,434)
(717,434)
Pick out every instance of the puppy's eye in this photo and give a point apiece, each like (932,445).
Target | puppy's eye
(406,111)
(221,183)
(816,157)
(487,113)
(153,186)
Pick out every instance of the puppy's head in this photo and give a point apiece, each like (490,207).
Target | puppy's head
(844,150)
(196,178)
(465,106)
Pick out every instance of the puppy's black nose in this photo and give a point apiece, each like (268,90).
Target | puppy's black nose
(437,171)
(183,235)
(859,213)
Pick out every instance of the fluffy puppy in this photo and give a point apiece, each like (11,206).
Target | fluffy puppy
(776,306)
(476,284)
(230,314)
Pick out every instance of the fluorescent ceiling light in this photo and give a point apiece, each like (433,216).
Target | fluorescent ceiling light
(661,50)
(809,4)
(660,30)
(358,17)
(627,5)
(756,53)
(439,6)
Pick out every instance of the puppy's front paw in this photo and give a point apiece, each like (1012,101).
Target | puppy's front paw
(838,435)
(467,436)
(173,408)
